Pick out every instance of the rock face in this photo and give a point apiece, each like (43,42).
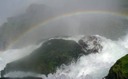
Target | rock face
(91,44)
(119,70)
(52,54)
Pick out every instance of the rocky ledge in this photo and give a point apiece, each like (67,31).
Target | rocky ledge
(119,70)
(52,54)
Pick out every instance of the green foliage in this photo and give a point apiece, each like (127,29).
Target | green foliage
(119,70)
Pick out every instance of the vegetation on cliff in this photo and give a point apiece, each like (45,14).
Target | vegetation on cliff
(119,70)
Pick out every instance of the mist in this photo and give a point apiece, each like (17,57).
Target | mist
(112,27)
(28,27)
(12,8)
(21,15)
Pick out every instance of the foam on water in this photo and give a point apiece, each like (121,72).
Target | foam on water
(93,66)
(14,54)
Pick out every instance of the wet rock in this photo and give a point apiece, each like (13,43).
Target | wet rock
(119,70)
(92,44)
(51,55)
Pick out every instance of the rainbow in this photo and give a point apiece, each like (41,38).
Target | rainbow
(77,13)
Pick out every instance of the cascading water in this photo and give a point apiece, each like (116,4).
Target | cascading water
(92,66)
(48,18)
(14,54)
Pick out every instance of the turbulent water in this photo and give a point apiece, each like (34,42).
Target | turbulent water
(93,66)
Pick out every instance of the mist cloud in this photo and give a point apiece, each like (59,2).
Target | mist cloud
(29,12)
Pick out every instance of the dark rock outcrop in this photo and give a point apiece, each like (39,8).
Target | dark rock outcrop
(92,44)
(119,70)
(52,54)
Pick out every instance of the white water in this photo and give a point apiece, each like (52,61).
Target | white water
(93,66)
(14,54)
